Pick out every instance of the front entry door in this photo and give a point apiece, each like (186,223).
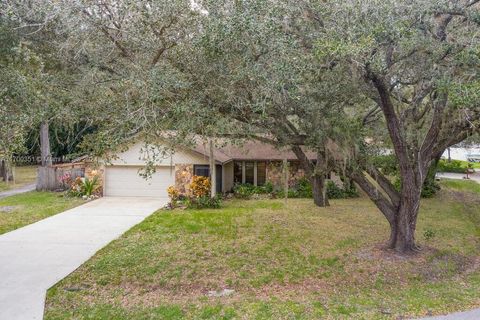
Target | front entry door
(219,179)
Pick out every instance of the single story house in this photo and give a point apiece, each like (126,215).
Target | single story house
(252,162)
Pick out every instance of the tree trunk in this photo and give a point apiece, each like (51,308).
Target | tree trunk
(399,208)
(318,180)
(402,231)
(318,188)
(316,173)
(213,172)
(45,144)
(285,177)
(2,169)
(6,171)
(404,223)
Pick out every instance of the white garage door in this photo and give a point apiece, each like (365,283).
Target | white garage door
(125,182)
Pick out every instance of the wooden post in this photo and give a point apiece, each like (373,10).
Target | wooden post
(285,172)
(48,179)
(213,172)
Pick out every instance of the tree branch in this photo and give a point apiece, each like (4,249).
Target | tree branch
(306,163)
(431,137)
(382,203)
(393,123)
(386,185)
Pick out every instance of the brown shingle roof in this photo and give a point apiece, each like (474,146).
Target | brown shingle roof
(249,150)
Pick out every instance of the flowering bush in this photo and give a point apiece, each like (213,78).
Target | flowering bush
(76,187)
(81,187)
(173,194)
(199,196)
(66,179)
(200,186)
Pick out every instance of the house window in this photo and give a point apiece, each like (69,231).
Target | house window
(249,172)
(237,172)
(201,170)
(261,173)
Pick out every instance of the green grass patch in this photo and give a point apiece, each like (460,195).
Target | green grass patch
(461,185)
(23,209)
(293,261)
(23,176)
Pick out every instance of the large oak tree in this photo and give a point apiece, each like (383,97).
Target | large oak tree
(418,62)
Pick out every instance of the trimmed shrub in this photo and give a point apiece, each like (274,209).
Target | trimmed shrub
(174,196)
(246,190)
(243,191)
(200,195)
(430,188)
(303,189)
(200,186)
(203,202)
(268,187)
(454,166)
(335,192)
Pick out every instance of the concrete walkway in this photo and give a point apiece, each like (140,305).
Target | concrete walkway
(24,189)
(458,176)
(35,257)
(468,315)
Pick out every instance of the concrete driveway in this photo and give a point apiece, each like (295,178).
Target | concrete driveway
(35,257)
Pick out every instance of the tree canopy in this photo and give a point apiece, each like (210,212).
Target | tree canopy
(346,79)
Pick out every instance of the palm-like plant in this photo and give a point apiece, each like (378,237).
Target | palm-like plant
(90,186)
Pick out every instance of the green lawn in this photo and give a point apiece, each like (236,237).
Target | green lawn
(23,176)
(461,185)
(292,261)
(20,210)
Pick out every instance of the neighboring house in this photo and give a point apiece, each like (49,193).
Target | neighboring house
(253,162)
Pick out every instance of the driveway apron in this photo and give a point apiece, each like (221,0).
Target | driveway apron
(35,257)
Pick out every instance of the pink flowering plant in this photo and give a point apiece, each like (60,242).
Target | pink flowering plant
(66,180)
(81,187)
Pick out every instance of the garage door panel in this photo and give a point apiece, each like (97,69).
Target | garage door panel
(125,181)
